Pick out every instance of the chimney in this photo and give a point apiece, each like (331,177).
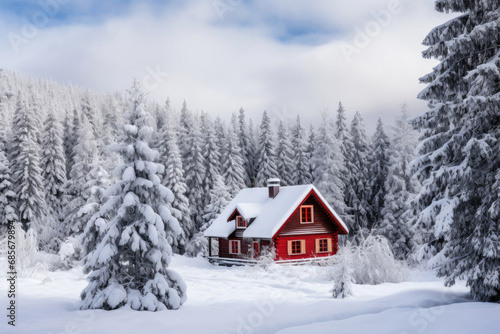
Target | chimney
(274,187)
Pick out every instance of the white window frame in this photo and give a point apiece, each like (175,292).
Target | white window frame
(312,214)
(231,246)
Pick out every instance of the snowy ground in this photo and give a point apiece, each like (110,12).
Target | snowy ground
(243,300)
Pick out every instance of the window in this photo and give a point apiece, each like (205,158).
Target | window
(323,245)
(234,247)
(240,222)
(255,248)
(296,247)
(306,214)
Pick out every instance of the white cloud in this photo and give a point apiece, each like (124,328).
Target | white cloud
(220,65)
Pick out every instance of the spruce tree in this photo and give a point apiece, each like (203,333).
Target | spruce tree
(379,171)
(232,167)
(245,146)
(211,154)
(328,164)
(301,155)
(284,161)
(85,156)
(266,153)
(459,149)
(53,165)
(397,214)
(349,168)
(173,179)
(7,195)
(26,173)
(71,126)
(129,265)
(193,162)
(358,199)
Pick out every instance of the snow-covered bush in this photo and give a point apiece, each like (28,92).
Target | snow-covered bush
(374,262)
(70,252)
(266,257)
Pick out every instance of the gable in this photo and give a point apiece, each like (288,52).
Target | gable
(322,220)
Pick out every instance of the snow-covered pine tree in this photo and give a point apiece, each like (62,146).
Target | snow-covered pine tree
(7,195)
(266,154)
(246,148)
(90,113)
(212,156)
(252,154)
(379,170)
(232,166)
(397,215)
(328,163)
(395,222)
(173,179)
(346,175)
(191,146)
(129,265)
(360,177)
(405,141)
(26,173)
(311,144)
(459,149)
(53,165)
(85,156)
(71,126)
(343,273)
(301,155)
(284,162)
(219,199)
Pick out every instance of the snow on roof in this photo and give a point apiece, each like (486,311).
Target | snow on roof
(249,210)
(270,213)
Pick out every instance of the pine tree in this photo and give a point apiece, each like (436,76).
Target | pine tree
(173,179)
(129,266)
(78,191)
(328,164)
(395,223)
(347,174)
(358,198)
(246,148)
(301,155)
(266,154)
(284,162)
(219,199)
(211,154)
(71,126)
(232,167)
(252,154)
(379,170)
(53,165)
(7,195)
(343,274)
(26,172)
(193,162)
(459,149)
(397,214)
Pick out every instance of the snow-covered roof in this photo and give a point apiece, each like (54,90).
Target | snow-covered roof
(269,213)
(249,210)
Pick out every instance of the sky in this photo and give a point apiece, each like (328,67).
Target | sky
(288,57)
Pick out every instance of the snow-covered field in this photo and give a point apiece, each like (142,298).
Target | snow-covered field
(285,300)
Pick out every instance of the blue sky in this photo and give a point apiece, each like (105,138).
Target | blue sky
(285,56)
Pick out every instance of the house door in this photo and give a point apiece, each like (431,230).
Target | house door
(255,246)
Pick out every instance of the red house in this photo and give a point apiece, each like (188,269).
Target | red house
(295,220)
